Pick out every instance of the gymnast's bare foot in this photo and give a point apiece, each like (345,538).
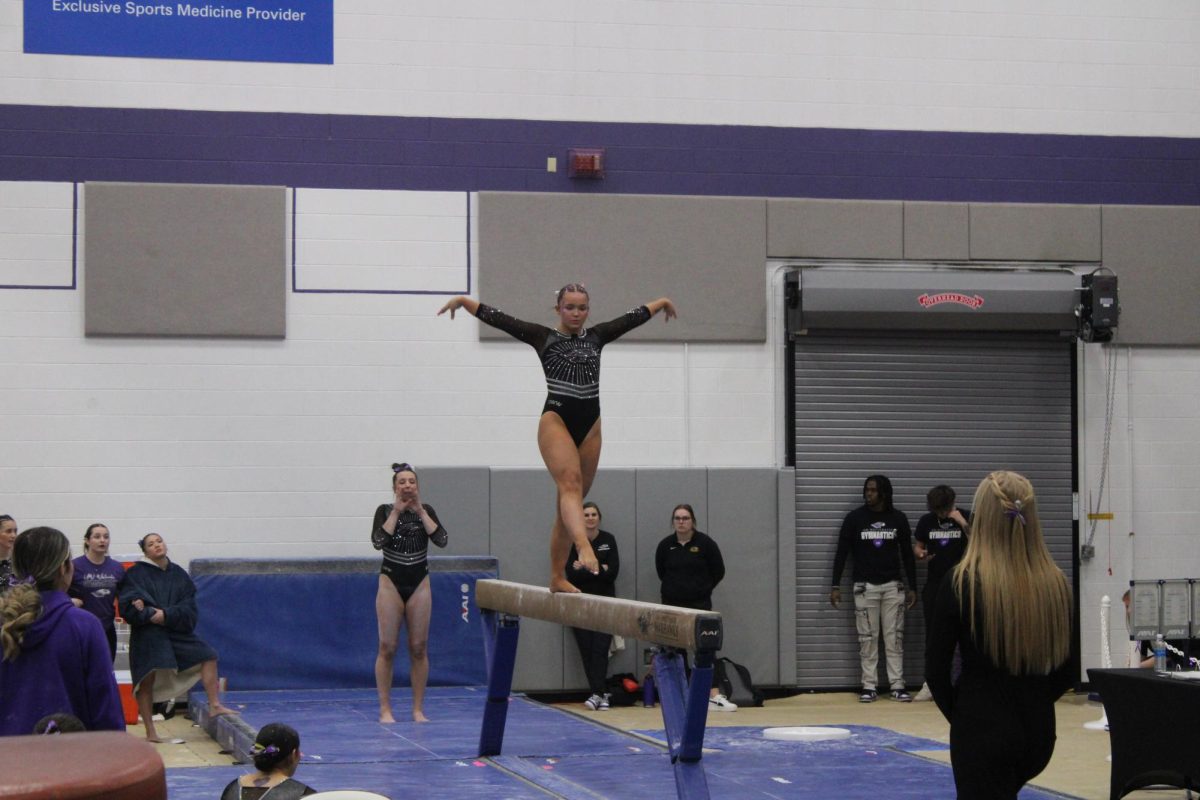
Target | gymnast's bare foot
(588,558)
(419,716)
(385,716)
(219,710)
(560,584)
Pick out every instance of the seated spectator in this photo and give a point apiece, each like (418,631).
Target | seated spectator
(55,656)
(158,600)
(276,754)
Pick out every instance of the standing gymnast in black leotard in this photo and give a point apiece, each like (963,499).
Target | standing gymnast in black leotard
(403,529)
(569,430)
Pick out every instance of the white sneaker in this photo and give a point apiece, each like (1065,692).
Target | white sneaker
(594,702)
(924,695)
(604,702)
(720,702)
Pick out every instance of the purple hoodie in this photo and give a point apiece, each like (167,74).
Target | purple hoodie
(64,667)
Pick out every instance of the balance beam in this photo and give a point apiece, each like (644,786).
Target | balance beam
(668,626)
(684,703)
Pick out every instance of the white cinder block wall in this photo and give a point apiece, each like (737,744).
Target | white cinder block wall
(244,448)
(1151,487)
(257,448)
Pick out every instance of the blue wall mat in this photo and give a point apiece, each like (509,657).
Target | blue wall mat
(312,630)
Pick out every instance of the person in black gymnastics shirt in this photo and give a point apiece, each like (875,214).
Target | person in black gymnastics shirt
(1006,607)
(940,539)
(878,536)
(690,565)
(569,429)
(594,645)
(403,529)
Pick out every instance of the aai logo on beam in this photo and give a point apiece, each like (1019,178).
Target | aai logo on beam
(289,31)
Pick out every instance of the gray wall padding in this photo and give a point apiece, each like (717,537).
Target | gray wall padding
(851,229)
(742,508)
(936,232)
(743,518)
(522,510)
(1033,232)
(706,253)
(459,495)
(1155,252)
(184,260)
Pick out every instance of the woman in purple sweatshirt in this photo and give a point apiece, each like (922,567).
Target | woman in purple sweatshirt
(56,658)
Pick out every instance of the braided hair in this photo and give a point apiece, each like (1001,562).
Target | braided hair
(1016,597)
(38,556)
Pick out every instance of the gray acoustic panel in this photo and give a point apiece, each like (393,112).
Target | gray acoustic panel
(706,253)
(522,510)
(1155,253)
(184,260)
(936,232)
(743,518)
(1034,232)
(614,491)
(848,229)
(460,495)
(785,493)
(938,408)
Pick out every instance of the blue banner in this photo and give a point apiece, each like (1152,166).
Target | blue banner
(291,31)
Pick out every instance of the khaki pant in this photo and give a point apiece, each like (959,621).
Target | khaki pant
(879,610)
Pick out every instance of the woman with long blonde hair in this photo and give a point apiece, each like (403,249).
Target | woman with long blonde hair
(1007,608)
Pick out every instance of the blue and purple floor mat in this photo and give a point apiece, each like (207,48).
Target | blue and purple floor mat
(551,753)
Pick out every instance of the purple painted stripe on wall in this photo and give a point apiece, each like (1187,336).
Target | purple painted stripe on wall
(365,152)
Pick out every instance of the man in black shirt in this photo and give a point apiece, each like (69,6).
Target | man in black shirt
(940,541)
(878,536)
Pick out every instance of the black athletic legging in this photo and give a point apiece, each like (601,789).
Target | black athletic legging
(1001,737)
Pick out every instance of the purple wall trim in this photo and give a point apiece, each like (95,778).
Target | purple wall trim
(51,143)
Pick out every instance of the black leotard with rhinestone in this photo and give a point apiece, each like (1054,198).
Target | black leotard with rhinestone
(571,363)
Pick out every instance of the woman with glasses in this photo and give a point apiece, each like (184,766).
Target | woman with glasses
(403,529)
(569,429)
(690,566)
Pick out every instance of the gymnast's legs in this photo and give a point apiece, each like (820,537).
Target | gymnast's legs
(573,469)
(389,608)
(416,615)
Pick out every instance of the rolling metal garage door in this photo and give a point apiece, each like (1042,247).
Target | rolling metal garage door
(922,408)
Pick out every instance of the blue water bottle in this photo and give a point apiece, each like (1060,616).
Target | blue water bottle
(1160,654)
(648,693)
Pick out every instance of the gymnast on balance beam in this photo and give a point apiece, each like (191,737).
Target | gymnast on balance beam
(569,430)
